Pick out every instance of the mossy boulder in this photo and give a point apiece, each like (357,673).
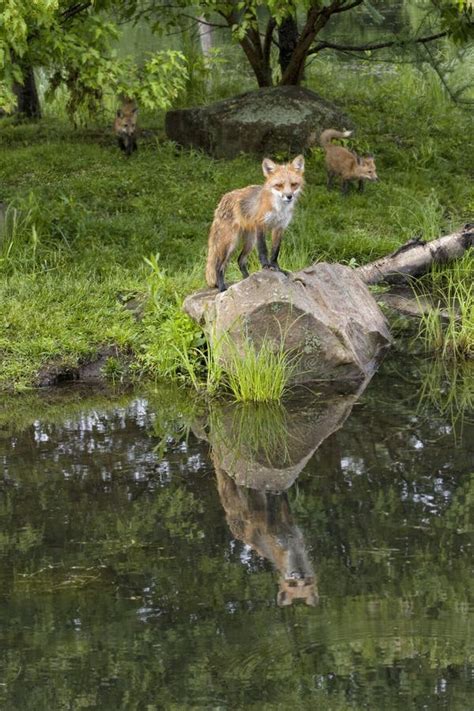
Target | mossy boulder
(324,316)
(286,119)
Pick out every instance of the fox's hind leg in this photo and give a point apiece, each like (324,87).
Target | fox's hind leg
(249,242)
(330,181)
(228,242)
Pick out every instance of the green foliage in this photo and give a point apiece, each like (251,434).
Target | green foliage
(74,44)
(157,83)
(457,17)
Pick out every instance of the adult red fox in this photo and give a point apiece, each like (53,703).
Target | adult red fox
(125,126)
(248,213)
(344,163)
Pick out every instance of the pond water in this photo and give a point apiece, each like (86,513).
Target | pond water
(139,576)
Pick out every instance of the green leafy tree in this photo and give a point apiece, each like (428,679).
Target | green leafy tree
(73,42)
(298,29)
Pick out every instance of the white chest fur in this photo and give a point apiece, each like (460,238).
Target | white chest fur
(281,215)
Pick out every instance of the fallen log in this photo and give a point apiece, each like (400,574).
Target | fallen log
(416,257)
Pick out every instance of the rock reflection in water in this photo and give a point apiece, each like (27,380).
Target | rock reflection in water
(258,452)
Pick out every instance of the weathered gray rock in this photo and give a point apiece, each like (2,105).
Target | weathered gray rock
(324,316)
(269,121)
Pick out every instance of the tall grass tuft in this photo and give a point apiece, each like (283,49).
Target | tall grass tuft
(261,375)
(449,386)
(449,327)
(254,375)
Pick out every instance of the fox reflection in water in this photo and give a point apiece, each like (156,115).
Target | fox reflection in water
(260,450)
(263,521)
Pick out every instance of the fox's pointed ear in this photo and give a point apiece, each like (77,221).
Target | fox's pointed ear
(268,167)
(119,113)
(135,110)
(298,164)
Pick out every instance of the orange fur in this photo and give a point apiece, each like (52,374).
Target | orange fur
(264,522)
(344,164)
(247,213)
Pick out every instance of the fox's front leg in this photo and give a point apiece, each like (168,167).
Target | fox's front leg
(277,236)
(262,250)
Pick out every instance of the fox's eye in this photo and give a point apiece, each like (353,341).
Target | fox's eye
(279,186)
(294,185)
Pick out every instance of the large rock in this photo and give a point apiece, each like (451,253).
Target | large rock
(324,316)
(270,121)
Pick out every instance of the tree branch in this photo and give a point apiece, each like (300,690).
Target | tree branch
(376,45)
(316,18)
(267,41)
(203,22)
(74,10)
(348,7)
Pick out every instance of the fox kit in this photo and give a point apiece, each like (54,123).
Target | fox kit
(125,126)
(344,163)
(247,213)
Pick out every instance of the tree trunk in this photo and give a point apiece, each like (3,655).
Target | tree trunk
(416,257)
(261,67)
(27,95)
(287,41)
(205,37)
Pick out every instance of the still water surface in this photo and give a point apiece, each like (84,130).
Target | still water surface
(331,570)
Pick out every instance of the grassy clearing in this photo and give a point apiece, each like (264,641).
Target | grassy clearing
(82,220)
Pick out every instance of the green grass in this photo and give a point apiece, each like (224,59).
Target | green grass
(261,375)
(248,373)
(449,386)
(82,220)
(449,327)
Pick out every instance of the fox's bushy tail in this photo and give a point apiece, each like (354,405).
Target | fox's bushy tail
(212,256)
(330,133)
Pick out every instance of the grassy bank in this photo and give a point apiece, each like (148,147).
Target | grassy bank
(82,219)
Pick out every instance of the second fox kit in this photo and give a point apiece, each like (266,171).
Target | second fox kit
(125,126)
(246,214)
(344,163)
